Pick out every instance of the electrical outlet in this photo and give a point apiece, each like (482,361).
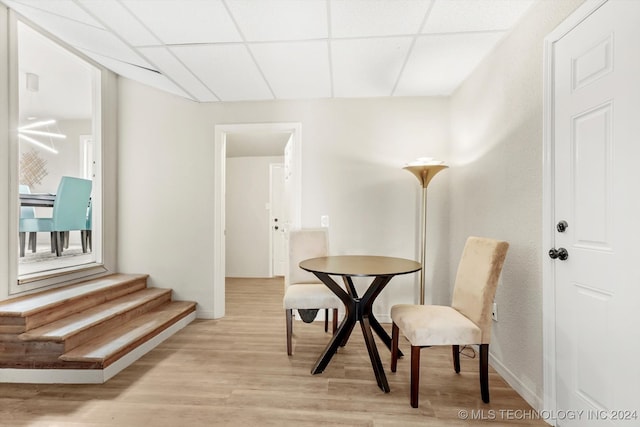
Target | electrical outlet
(494,312)
(324,221)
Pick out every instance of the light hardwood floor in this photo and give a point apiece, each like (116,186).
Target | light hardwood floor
(235,371)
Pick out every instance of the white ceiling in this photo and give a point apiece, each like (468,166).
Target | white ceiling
(236,50)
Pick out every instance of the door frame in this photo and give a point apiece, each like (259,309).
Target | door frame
(220,160)
(548,206)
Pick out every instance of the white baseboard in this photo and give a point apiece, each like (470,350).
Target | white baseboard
(90,376)
(525,392)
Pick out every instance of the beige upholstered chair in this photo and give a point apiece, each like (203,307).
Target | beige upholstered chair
(303,290)
(467,321)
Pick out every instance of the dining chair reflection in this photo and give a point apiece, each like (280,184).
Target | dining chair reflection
(69,213)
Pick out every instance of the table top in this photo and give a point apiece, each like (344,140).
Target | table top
(360,265)
(37,199)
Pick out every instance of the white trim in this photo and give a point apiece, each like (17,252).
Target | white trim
(219,194)
(514,381)
(91,376)
(548,281)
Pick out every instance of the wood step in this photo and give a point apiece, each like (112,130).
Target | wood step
(48,306)
(88,324)
(109,347)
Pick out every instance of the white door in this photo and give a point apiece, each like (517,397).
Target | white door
(597,194)
(278,220)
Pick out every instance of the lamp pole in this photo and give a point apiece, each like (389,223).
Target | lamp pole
(424,169)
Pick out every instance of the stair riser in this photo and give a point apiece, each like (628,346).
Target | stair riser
(76,305)
(18,354)
(11,325)
(120,319)
(146,338)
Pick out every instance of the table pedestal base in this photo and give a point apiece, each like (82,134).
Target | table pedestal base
(357,310)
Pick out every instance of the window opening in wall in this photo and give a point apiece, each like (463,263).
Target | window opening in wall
(58,187)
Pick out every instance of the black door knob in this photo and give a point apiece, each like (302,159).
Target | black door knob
(562,226)
(560,253)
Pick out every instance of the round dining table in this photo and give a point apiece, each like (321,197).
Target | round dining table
(358,309)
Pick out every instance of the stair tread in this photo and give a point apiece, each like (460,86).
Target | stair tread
(127,335)
(75,323)
(29,304)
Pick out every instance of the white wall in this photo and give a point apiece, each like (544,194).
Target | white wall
(247,228)
(165,193)
(496,185)
(67,161)
(352,154)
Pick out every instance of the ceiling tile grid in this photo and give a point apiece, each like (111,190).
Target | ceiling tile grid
(238,50)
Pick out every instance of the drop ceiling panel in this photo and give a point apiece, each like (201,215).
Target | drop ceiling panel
(138,74)
(227,70)
(367,67)
(438,64)
(280,20)
(170,66)
(265,49)
(83,36)
(296,69)
(472,15)
(179,21)
(117,18)
(63,8)
(364,18)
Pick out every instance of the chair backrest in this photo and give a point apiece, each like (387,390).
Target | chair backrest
(476,281)
(305,244)
(70,206)
(26,211)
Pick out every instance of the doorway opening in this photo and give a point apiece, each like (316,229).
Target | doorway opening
(225,135)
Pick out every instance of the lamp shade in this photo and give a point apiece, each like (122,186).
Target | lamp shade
(425,168)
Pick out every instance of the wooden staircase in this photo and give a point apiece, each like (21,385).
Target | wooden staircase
(86,332)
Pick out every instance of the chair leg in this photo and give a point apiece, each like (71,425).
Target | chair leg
(22,237)
(65,239)
(33,241)
(83,241)
(289,316)
(59,242)
(53,241)
(89,242)
(455,350)
(335,320)
(395,331)
(484,372)
(326,320)
(415,375)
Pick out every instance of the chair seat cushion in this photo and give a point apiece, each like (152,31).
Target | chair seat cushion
(425,325)
(310,295)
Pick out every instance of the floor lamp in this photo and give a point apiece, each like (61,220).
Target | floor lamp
(424,168)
